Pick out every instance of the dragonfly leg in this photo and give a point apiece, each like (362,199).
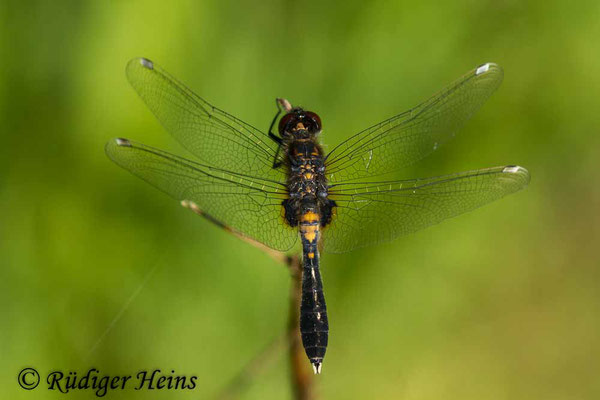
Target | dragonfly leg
(271,134)
(274,137)
(276,162)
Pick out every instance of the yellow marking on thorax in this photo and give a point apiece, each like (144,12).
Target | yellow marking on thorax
(311,255)
(308,175)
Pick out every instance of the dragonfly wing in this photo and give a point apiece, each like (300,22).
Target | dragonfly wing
(214,136)
(376,212)
(414,134)
(250,205)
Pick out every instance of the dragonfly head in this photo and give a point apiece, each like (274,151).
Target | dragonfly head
(299,123)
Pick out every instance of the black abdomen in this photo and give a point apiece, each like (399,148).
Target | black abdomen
(314,326)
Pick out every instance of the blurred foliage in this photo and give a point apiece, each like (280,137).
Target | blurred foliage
(98,269)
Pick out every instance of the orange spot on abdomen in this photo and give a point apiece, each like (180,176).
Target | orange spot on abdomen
(309,232)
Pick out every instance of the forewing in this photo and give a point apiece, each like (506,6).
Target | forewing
(369,213)
(214,136)
(250,205)
(414,134)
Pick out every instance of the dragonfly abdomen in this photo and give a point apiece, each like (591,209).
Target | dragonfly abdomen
(314,326)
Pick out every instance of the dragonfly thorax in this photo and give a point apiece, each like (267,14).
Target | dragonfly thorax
(307,183)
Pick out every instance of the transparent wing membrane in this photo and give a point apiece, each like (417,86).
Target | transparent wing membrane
(235,182)
(369,213)
(408,137)
(250,205)
(214,136)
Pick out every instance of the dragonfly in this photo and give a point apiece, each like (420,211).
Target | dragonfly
(280,188)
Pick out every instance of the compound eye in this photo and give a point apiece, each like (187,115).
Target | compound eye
(284,122)
(314,119)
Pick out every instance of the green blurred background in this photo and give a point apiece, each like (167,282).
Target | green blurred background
(99,269)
